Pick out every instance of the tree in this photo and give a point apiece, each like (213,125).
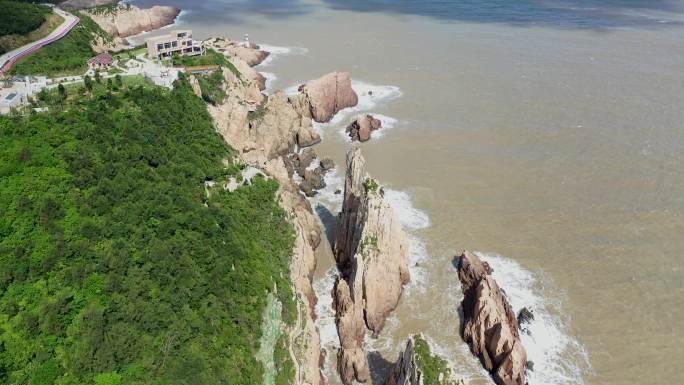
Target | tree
(62,92)
(98,78)
(88,83)
(110,83)
(119,80)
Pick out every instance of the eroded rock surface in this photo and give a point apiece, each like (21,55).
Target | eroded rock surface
(322,98)
(128,20)
(411,366)
(361,128)
(251,54)
(490,326)
(371,251)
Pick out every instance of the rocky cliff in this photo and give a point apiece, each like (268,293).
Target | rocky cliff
(371,251)
(126,20)
(322,98)
(251,54)
(418,366)
(490,325)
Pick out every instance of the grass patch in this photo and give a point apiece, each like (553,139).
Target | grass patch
(435,370)
(210,57)
(212,87)
(67,56)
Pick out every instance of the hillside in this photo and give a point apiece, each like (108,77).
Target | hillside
(67,56)
(118,263)
(18,19)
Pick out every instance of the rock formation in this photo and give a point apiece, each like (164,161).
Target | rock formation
(264,130)
(361,128)
(252,55)
(490,326)
(128,20)
(371,251)
(322,98)
(410,367)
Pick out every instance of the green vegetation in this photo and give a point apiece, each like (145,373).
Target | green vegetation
(108,9)
(210,57)
(21,18)
(369,242)
(116,266)
(14,41)
(67,56)
(285,371)
(370,185)
(435,370)
(212,87)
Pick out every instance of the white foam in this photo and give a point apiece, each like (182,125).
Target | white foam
(411,218)
(270,79)
(559,359)
(277,51)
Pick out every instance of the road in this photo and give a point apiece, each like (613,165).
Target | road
(9,58)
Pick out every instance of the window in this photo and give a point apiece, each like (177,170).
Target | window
(160,46)
(174,44)
(167,45)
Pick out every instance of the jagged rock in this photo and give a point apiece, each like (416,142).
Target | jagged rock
(314,179)
(194,83)
(303,160)
(128,20)
(361,128)
(338,191)
(410,369)
(260,81)
(530,366)
(327,164)
(490,326)
(322,98)
(371,251)
(525,316)
(307,136)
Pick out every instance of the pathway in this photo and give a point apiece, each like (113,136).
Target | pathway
(8,59)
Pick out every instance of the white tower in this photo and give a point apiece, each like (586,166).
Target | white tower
(247,40)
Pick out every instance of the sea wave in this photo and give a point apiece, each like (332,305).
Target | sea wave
(559,359)
(277,51)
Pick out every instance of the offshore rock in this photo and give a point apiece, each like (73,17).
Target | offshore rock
(371,251)
(322,98)
(490,326)
(360,129)
(251,54)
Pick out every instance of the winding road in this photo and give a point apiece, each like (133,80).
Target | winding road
(8,59)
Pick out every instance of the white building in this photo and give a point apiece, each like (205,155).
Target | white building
(178,42)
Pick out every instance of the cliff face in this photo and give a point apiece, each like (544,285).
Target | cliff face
(490,326)
(128,20)
(371,251)
(264,130)
(322,98)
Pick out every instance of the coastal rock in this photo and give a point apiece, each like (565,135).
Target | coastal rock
(127,20)
(327,164)
(360,129)
(410,368)
(371,251)
(308,136)
(322,98)
(490,326)
(251,54)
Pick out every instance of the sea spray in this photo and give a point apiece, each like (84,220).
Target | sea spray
(559,359)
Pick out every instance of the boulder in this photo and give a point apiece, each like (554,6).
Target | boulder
(327,164)
(490,325)
(324,97)
(361,128)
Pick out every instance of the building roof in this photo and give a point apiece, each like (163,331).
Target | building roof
(103,58)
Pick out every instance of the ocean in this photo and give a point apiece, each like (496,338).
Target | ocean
(548,136)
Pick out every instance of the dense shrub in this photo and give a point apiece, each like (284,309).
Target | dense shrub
(20,18)
(116,265)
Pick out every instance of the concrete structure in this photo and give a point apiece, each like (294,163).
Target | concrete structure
(178,42)
(103,61)
(11,100)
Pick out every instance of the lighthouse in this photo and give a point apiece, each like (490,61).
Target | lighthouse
(246,40)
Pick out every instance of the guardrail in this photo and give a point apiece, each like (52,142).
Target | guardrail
(29,50)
